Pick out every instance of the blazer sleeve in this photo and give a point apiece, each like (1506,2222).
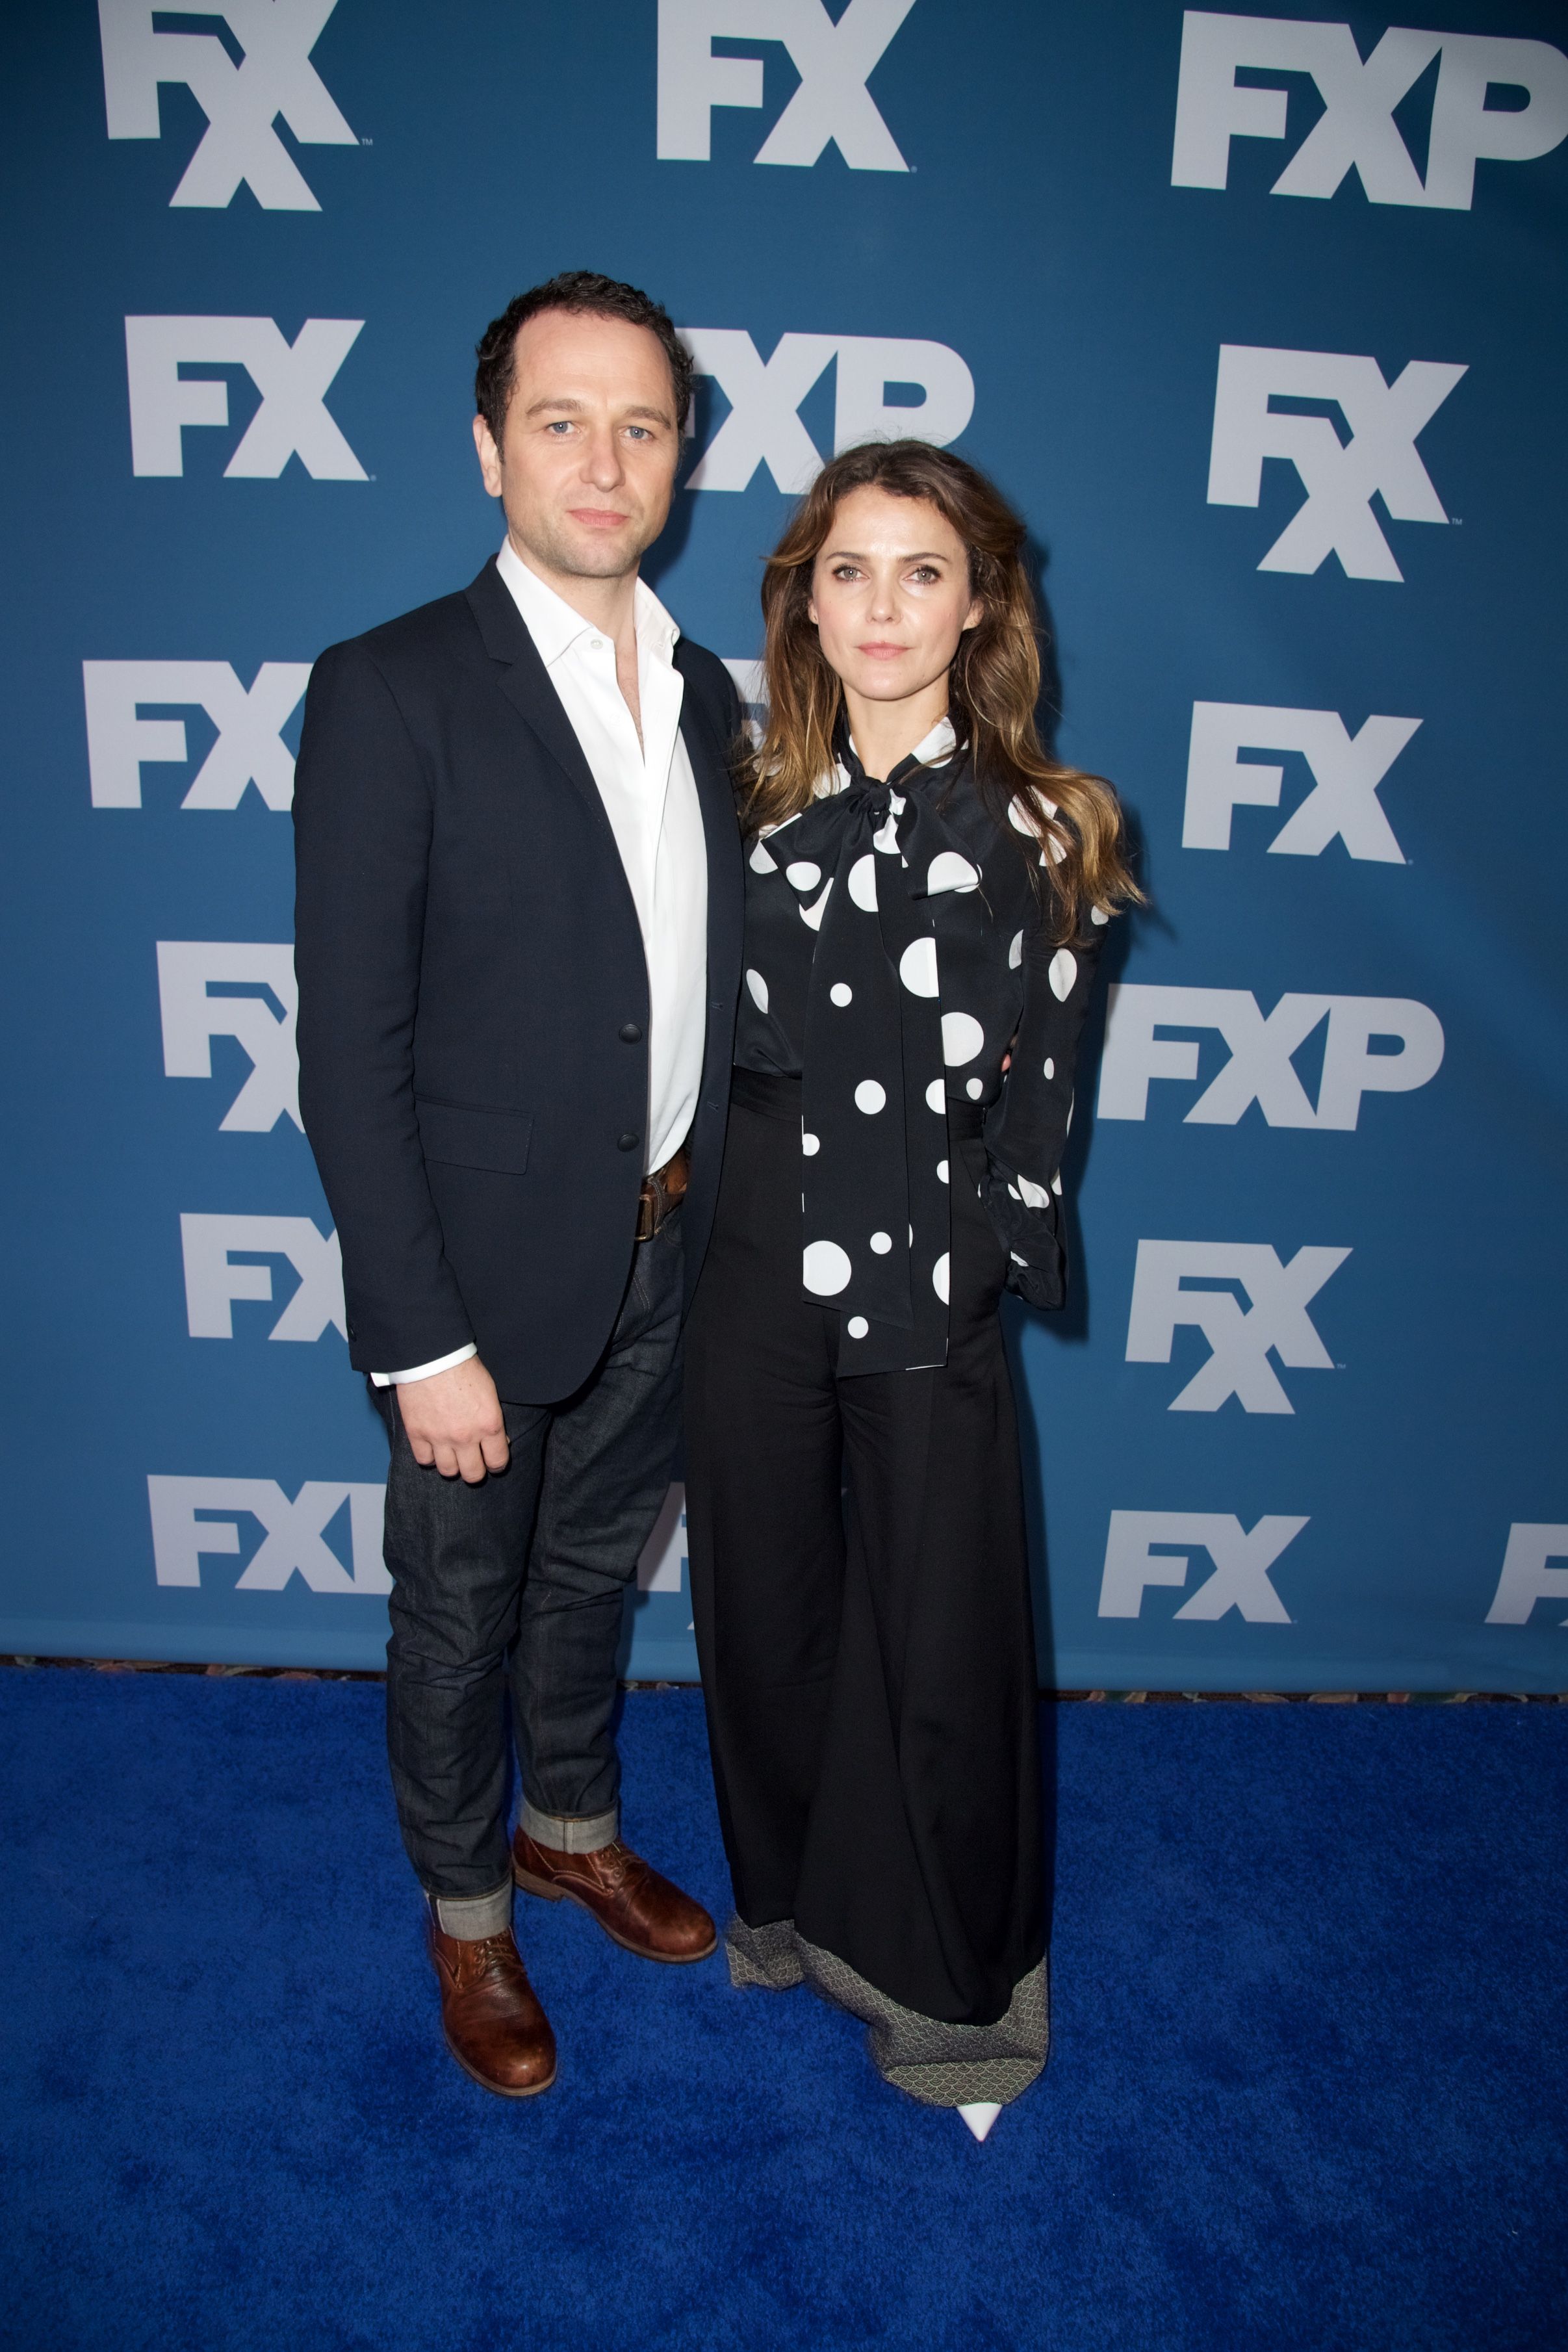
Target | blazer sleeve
(362,826)
(1026,1129)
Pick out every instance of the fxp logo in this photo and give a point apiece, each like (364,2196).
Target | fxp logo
(242,95)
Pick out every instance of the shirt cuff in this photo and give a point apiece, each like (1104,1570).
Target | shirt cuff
(423,1371)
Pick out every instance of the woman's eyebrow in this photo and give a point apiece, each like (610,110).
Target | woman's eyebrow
(851,555)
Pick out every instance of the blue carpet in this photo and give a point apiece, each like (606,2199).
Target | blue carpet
(1307,2087)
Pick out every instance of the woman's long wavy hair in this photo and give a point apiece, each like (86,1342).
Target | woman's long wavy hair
(993,685)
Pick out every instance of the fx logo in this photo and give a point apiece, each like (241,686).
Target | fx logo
(192,1516)
(834,61)
(189,972)
(1241,1564)
(214,1280)
(1240,1339)
(1340,478)
(1526,1578)
(1346,772)
(1261,1069)
(274,77)
(292,379)
(250,749)
(1356,130)
(763,427)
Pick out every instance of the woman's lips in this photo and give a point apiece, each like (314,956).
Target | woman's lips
(879,652)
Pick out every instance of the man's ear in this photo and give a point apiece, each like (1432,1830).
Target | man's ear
(489,456)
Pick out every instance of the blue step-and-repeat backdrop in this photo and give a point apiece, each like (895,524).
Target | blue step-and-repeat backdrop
(1259,320)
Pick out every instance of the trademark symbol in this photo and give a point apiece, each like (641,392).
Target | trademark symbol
(367,142)
(1339,1367)
(1458,521)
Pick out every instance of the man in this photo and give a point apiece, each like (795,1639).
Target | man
(519,929)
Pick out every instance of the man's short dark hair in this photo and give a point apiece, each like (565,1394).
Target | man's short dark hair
(586,292)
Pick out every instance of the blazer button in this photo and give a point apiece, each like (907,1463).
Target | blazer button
(627,1142)
(630,1034)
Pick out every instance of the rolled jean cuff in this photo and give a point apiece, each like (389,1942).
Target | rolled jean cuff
(472,1916)
(571,1832)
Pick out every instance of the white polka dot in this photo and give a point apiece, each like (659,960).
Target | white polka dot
(803,873)
(975,1088)
(759,990)
(826,1269)
(949,871)
(761,863)
(881,1243)
(869,1097)
(886,837)
(1014,1193)
(936,1097)
(1056,1183)
(940,1277)
(1035,1195)
(917,967)
(840,992)
(942,1171)
(1072,1106)
(1016,1259)
(1015,953)
(862,883)
(857,1326)
(811,1145)
(1050,1067)
(1098,914)
(1021,820)
(1063,972)
(813,915)
(962,1037)
(1057,851)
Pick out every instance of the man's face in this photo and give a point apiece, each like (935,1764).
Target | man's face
(586,466)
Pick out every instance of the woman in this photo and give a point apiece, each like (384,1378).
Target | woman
(926,896)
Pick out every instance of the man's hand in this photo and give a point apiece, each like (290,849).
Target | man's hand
(454,1422)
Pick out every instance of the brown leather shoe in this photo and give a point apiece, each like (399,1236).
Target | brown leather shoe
(635,1907)
(491,2016)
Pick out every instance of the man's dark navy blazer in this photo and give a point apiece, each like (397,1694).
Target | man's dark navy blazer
(474,998)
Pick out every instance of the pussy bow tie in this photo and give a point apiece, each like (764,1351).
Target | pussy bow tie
(874,1100)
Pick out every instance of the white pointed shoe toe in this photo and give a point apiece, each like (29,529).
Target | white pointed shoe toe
(980,2115)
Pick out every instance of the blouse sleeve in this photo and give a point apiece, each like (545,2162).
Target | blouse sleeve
(1027,1128)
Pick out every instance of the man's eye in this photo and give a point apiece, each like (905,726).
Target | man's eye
(639,433)
(561,425)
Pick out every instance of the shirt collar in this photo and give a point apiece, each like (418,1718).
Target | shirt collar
(934,751)
(555,626)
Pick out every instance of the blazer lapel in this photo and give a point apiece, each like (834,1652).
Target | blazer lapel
(721,831)
(526,682)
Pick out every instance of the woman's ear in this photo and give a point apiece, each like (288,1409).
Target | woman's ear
(976,614)
(811,611)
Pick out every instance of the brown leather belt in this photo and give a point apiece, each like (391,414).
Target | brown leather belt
(664,1190)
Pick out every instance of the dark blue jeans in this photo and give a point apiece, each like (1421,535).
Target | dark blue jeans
(519,1586)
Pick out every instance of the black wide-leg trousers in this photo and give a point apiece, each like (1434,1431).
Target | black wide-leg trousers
(871,1687)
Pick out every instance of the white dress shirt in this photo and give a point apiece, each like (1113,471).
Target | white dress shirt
(650,796)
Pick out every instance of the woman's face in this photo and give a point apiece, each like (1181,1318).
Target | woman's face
(890,596)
